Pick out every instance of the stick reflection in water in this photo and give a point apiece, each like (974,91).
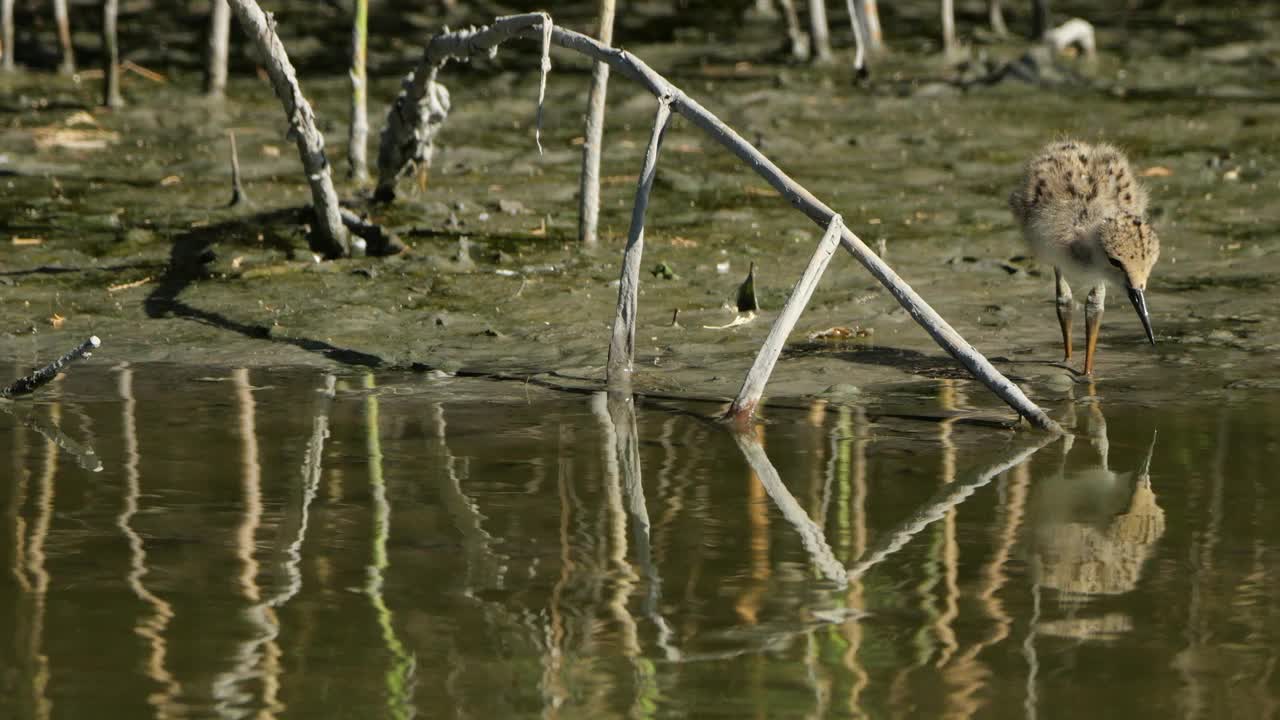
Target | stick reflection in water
(400,675)
(152,625)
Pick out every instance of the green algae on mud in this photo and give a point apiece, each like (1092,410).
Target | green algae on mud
(135,246)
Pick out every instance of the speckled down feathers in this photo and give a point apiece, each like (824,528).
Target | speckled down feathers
(1079,182)
(1082,209)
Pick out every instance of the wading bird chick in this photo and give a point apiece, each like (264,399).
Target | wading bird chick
(1082,210)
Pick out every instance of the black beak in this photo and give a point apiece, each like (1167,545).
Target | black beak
(1140,304)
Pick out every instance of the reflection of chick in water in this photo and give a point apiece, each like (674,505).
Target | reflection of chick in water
(1094,528)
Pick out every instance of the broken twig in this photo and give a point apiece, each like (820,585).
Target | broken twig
(237,190)
(41,377)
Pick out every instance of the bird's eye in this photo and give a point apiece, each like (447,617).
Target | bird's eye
(1115,262)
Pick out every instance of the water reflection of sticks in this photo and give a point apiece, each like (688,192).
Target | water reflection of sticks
(400,676)
(811,536)
(486,568)
(617,416)
(83,454)
(258,656)
(29,568)
(151,626)
(936,508)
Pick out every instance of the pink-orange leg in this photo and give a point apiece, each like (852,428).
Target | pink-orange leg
(1093,323)
(1065,308)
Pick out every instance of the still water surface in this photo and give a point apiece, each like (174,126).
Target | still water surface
(290,543)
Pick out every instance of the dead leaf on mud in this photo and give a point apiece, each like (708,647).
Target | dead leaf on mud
(740,319)
(1157,171)
(840,332)
(47,138)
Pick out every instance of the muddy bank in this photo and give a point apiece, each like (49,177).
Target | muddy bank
(116,224)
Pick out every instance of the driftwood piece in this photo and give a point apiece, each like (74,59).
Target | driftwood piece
(358,138)
(408,140)
(589,188)
(216,51)
(622,343)
(473,41)
(330,236)
(111,55)
(67,64)
(41,377)
(744,406)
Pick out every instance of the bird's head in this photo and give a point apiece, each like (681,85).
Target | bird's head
(1131,248)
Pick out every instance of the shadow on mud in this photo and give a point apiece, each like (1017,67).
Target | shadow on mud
(188,262)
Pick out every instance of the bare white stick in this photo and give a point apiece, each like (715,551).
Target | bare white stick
(589,189)
(6,35)
(815,543)
(859,39)
(547,28)
(936,508)
(330,237)
(948,27)
(60,18)
(359,135)
(819,32)
(869,19)
(465,43)
(44,375)
(622,344)
(744,406)
(799,41)
(215,70)
(996,16)
(111,55)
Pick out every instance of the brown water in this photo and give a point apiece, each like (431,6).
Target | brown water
(291,543)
